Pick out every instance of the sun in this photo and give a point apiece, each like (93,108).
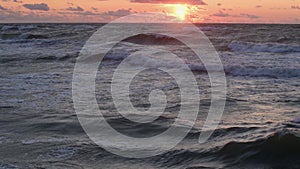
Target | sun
(181,11)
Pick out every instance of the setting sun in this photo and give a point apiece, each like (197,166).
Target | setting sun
(180,11)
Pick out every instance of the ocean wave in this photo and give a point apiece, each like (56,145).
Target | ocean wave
(9,36)
(153,60)
(296,119)
(211,28)
(27,27)
(83,27)
(152,39)
(140,130)
(233,70)
(8,166)
(281,147)
(239,46)
(32,36)
(239,70)
(63,153)
(189,29)
(16,37)
(273,147)
(43,140)
(18,27)
(294,123)
(220,132)
(8,27)
(61,57)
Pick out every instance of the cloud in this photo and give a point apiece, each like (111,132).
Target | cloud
(226,9)
(221,14)
(28,17)
(87,13)
(2,8)
(118,13)
(94,9)
(192,2)
(295,7)
(75,9)
(112,15)
(80,13)
(17,1)
(249,16)
(278,8)
(242,15)
(97,16)
(109,14)
(41,7)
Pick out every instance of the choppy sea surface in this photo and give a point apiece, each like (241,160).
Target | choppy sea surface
(260,127)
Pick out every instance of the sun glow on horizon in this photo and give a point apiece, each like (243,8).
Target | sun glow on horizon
(103,11)
(180,11)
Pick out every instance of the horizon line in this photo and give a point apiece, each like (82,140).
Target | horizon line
(249,23)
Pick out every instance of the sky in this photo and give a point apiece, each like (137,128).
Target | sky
(198,11)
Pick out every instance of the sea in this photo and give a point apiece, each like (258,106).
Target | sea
(259,128)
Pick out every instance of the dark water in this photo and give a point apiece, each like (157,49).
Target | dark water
(260,125)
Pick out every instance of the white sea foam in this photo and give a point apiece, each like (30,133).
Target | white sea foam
(63,153)
(27,27)
(49,140)
(8,166)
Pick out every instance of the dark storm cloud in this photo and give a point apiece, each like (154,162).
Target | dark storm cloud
(41,7)
(193,2)
(75,9)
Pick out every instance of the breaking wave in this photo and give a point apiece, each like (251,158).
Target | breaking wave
(153,39)
(233,70)
(278,148)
